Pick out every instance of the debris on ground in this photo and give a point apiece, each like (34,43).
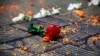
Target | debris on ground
(22,17)
(94,20)
(18,18)
(94,2)
(44,12)
(80,13)
(74,6)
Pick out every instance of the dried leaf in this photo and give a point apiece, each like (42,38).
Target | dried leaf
(94,38)
(31,4)
(64,31)
(80,13)
(30,13)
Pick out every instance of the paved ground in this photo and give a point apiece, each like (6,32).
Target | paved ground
(14,37)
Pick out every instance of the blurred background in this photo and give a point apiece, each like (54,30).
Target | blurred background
(11,8)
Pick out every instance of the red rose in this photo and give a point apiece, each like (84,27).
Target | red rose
(52,33)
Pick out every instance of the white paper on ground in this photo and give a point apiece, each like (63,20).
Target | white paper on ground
(55,10)
(48,12)
(38,15)
(77,5)
(19,18)
(21,15)
(94,2)
(74,6)
(89,4)
(15,19)
(43,12)
(70,7)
